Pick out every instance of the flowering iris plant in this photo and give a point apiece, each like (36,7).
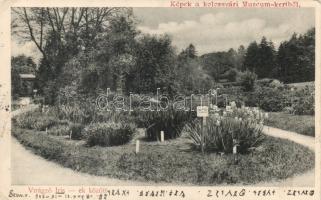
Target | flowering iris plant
(225,126)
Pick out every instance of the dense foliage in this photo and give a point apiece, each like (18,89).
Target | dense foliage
(170,121)
(303,101)
(20,65)
(113,53)
(247,80)
(109,134)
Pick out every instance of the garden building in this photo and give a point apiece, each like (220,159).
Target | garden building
(27,84)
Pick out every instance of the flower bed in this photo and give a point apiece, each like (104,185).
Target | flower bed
(276,159)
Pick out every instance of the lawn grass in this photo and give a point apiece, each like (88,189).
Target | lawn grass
(172,161)
(302,124)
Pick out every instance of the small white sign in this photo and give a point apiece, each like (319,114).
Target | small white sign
(235,149)
(202,111)
(162,136)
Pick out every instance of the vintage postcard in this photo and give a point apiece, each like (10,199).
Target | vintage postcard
(196,99)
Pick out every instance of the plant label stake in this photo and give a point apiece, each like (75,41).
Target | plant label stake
(202,111)
(235,146)
(137,146)
(70,135)
(203,133)
(234,149)
(162,136)
(46,130)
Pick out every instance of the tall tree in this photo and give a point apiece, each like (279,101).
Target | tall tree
(266,59)
(154,66)
(260,58)
(122,45)
(251,57)
(60,33)
(296,58)
(241,52)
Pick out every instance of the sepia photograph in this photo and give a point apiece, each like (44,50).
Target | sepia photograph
(160,96)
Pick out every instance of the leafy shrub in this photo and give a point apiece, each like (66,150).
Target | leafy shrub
(288,110)
(170,121)
(232,74)
(276,84)
(236,126)
(268,82)
(247,80)
(267,98)
(139,118)
(264,82)
(109,134)
(304,101)
(50,93)
(77,132)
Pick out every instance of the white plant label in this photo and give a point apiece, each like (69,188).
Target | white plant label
(202,111)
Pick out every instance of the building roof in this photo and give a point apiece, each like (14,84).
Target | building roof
(31,76)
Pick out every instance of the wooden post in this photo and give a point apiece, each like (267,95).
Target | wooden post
(203,134)
(216,99)
(162,136)
(202,111)
(137,146)
(202,146)
(70,135)
(226,101)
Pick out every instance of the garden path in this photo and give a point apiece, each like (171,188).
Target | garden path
(28,168)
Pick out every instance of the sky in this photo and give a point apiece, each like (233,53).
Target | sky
(220,29)
(211,29)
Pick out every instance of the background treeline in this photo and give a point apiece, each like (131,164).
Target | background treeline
(87,50)
(292,62)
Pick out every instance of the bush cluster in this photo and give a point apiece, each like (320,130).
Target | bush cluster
(272,96)
(304,101)
(109,134)
(247,80)
(267,98)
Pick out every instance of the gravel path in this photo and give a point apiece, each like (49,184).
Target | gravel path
(28,168)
